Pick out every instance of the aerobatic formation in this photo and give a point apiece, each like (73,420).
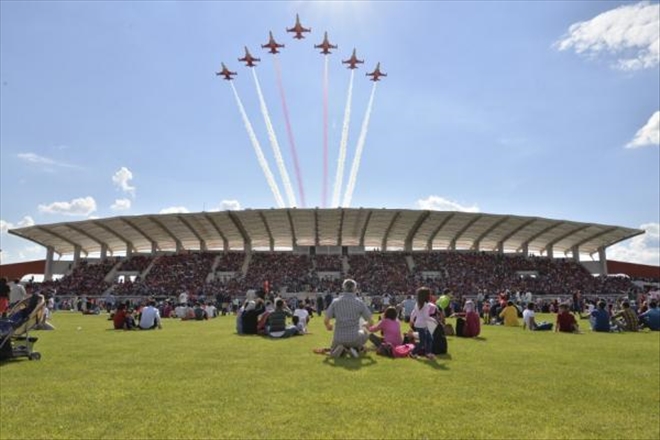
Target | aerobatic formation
(273,47)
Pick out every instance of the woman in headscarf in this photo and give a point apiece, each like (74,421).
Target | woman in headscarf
(468,324)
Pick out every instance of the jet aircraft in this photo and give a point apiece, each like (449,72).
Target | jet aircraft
(272,44)
(376,74)
(325,45)
(248,59)
(353,61)
(226,73)
(298,29)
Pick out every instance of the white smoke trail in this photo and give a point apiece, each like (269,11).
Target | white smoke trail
(257,149)
(276,146)
(336,194)
(358,153)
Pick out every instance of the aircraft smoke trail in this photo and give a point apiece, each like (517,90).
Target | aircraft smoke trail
(325,132)
(358,153)
(342,145)
(292,143)
(288,189)
(257,149)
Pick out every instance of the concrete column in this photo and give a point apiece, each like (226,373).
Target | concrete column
(525,249)
(179,246)
(129,250)
(602,259)
(549,252)
(576,254)
(76,256)
(48,270)
(248,246)
(500,247)
(202,246)
(452,245)
(104,252)
(154,248)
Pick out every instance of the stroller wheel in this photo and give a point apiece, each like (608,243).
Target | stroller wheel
(35,356)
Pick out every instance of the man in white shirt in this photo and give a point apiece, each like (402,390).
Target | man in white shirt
(303,315)
(16,292)
(150,317)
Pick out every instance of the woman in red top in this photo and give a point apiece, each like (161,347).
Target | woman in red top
(566,321)
(471,325)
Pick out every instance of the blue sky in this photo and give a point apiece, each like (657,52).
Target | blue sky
(528,108)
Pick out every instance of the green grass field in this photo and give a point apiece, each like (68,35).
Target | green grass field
(201,380)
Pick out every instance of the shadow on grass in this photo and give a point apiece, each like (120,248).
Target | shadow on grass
(350,363)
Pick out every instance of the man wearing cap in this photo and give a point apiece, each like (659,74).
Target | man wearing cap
(347,310)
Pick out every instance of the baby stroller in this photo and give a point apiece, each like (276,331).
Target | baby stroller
(15,340)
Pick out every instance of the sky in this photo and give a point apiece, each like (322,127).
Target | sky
(547,109)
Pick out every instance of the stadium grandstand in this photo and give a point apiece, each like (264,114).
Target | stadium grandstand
(310,250)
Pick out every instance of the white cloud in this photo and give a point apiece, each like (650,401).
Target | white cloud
(642,249)
(121,205)
(648,134)
(83,206)
(228,205)
(630,32)
(174,210)
(437,203)
(31,252)
(41,160)
(122,179)
(24,222)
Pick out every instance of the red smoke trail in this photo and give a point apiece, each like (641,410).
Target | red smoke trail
(292,143)
(325,132)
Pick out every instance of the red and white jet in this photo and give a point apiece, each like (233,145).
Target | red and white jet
(298,29)
(248,59)
(376,74)
(272,45)
(226,73)
(353,61)
(325,45)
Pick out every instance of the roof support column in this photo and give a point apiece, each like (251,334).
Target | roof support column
(549,251)
(76,256)
(104,251)
(202,246)
(48,270)
(500,247)
(179,246)
(129,250)
(575,250)
(602,259)
(525,249)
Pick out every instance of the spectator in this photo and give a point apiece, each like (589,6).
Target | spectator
(16,292)
(629,321)
(510,315)
(390,328)
(276,322)
(123,319)
(601,318)
(651,318)
(150,317)
(4,296)
(566,321)
(420,319)
(468,324)
(347,311)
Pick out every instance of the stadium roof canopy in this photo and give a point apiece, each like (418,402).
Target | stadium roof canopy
(386,229)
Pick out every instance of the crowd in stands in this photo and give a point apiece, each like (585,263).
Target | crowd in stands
(466,274)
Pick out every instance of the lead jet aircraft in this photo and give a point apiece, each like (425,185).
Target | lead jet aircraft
(325,45)
(248,59)
(353,61)
(376,74)
(226,73)
(298,29)
(272,44)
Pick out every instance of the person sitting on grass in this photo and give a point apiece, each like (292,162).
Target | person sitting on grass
(529,320)
(150,317)
(468,324)
(485,312)
(303,315)
(629,321)
(347,310)
(123,319)
(651,318)
(391,330)
(566,321)
(276,322)
(420,318)
(601,318)
(510,315)
(200,312)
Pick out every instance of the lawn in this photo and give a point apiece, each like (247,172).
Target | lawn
(201,380)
